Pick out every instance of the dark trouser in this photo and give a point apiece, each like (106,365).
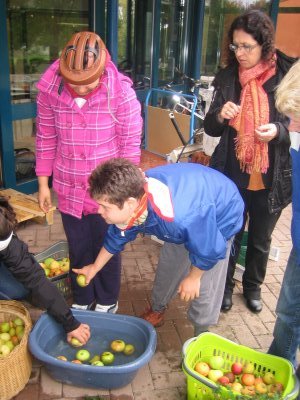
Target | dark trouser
(85,237)
(260,228)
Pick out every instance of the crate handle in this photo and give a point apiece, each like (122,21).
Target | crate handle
(295,391)
(186,344)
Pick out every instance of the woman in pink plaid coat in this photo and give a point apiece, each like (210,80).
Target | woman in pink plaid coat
(87,113)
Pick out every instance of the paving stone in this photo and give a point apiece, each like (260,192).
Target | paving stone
(168,380)
(143,380)
(74,391)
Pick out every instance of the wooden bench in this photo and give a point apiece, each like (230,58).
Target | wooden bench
(26,207)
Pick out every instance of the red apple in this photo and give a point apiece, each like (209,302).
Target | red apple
(224,380)
(230,376)
(248,379)
(202,368)
(276,388)
(237,368)
(258,379)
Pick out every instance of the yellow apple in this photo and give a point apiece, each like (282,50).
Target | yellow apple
(81,280)
(54,265)
(75,342)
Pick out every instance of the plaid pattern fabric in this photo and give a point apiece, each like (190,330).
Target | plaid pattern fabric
(72,141)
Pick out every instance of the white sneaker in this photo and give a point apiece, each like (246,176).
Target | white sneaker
(113,308)
(79,307)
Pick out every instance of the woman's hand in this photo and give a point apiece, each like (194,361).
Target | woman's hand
(266,132)
(82,333)
(229,111)
(89,271)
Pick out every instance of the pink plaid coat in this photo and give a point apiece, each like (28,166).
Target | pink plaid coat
(71,141)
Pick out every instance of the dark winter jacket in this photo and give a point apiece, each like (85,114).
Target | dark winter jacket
(278,177)
(44,294)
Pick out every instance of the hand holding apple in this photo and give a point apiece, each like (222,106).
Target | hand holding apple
(82,334)
(89,271)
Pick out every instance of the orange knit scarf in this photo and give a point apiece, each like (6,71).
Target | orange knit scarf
(252,153)
(139,215)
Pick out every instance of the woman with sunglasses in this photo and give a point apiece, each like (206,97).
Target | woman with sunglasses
(254,145)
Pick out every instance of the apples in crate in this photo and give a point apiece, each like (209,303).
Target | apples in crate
(54,267)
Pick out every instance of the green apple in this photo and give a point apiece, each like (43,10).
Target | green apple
(248,368)
(94,358)
(268,378)
(214,374)
(83,355)
(81,280)
(117,345)
(75,342)
(12,331)
(5,336)
(48,261)
(107,357)
(10,344)
(18,322)
(129,349)
(216,362)
(97,363)
(62,358)
(5,327)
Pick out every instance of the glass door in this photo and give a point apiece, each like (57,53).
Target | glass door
(36,33)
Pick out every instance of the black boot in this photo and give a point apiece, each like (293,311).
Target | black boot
(227,302)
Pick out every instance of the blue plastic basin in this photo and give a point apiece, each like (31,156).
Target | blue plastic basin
(47,336)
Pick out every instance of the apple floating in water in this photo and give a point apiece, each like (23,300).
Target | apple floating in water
(117,345)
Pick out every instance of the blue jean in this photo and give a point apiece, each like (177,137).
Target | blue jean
(287,327)
(10,288)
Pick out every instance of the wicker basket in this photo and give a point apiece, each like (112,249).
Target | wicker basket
(15,369)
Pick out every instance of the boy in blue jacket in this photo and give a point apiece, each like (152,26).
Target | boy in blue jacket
(185,204)
(287,327)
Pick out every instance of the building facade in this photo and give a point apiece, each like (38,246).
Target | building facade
(152,41)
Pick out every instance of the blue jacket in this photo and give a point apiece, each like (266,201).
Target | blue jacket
(295,154)
(187,204)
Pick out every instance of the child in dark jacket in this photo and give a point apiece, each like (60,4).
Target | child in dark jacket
(21,275)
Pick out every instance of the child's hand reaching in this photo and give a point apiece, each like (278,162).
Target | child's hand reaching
(89,271)
(82,333)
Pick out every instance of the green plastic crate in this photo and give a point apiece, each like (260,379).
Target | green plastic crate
(58,251)
(209,344)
